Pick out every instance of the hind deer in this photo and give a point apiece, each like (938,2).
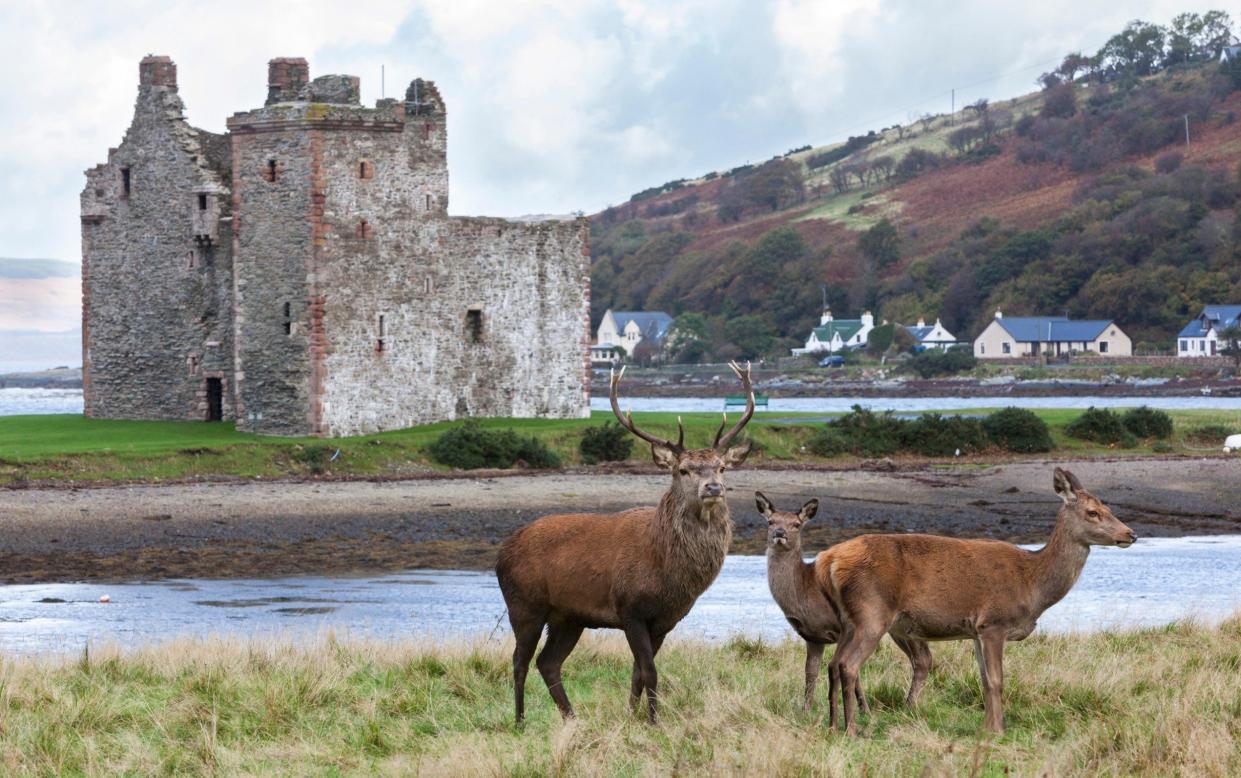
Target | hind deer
(806,607)
(926,587)
(639,571)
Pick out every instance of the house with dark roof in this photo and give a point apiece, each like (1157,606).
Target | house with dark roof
(1200,338)
(834,334)
(927,336)
(629,329)
(1032,336)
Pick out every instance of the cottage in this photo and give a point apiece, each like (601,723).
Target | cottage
(629,329)
(1200,338)
(932,336)
(1231,53)
(834,335)
(1032,336)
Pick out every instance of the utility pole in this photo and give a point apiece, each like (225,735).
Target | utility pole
(1186,130)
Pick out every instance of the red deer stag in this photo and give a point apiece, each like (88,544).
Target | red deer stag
(639,570)
(807,609)
(924,587)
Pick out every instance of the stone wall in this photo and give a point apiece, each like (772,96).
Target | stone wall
(156,279)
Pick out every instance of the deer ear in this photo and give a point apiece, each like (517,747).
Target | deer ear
(809,510)
(737,454)
(1064,482)
(663,456)
(764,505)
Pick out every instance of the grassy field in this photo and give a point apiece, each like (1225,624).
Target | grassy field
(1155,702)
(73,448)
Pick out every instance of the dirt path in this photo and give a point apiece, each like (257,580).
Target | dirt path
(281,528)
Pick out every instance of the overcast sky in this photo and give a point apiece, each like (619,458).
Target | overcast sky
(552,106)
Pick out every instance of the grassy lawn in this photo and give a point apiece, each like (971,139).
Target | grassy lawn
(74,448)
(1155,702)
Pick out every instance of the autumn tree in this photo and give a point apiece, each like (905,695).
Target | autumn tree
(881,244)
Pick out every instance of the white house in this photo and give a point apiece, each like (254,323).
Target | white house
(834,335)
(1200,338)
(1032,336)
(627,329)
(1230,53)
(933,336)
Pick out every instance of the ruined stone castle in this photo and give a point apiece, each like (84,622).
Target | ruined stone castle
(300,273)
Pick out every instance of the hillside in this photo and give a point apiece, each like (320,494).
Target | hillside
(1080,198)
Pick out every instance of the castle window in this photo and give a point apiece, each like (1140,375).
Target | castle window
(288,318)
(366,170)
(202,202)
(428,285)
(426,131)
(379,342)
(125,182)
(269,172)
(428,202)
(474,325)
(364,230)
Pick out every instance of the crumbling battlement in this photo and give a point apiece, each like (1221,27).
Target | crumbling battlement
(301,273)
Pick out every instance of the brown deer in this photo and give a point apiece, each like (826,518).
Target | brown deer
(924,587)
(640,570)
(806,607)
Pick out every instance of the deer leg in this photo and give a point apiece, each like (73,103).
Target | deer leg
(993,655)
(635,680)
(833,675)
(863,644)
(643,648)
(814,657)
(561,638)
(526,633)
(919,654)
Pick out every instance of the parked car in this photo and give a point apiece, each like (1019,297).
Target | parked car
(835,360)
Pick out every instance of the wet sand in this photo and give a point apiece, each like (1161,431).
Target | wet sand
(258,529)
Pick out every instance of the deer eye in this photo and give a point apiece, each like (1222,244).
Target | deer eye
(797,525)
(684,471)
(1093,514)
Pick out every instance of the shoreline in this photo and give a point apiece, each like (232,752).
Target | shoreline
(275,528)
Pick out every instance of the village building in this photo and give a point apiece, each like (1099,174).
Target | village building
(1200,338)
(628,330)
(300,273)
(833,335)
(931,336)
(1050,336)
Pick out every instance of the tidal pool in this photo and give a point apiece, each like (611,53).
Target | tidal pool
(1156,581)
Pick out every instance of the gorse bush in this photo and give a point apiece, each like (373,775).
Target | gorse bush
(1147,422)
(1100,426)
(934,362)
(864,433)
(1018,430)
(934,435)
(608,442)
(470,447)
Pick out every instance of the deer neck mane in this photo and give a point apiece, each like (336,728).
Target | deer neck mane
(1057,565)
(787,575)
(692,538)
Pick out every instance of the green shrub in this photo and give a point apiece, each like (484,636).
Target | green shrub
(869,434)
(827,442)
(934,362)
(933,435)
(470,447)
(1212,434)
(1163,447)
(316,457)
(1018,430)
(1101,426)
(1147,422)
(609,442)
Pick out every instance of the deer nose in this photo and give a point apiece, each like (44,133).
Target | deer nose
(780,532)
(713,490)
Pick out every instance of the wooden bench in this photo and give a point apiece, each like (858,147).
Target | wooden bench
(737,401)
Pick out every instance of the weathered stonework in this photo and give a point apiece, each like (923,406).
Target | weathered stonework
(340,297)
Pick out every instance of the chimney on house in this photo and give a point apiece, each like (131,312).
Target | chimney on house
(921,322)
(157,70)
(826,317)
(999,314)
(868,319)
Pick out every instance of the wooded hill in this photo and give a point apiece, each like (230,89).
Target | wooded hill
(1082,198)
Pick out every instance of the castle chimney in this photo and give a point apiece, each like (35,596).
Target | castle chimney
(285,78)
(156,70)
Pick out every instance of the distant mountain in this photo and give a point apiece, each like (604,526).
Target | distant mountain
(38,268)
(1081,198)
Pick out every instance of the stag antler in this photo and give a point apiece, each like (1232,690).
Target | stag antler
(626,419)
(722,442)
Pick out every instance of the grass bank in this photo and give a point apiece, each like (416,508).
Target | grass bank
(1154,702)
(70,448)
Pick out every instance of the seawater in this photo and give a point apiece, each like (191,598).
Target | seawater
(1154,582)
